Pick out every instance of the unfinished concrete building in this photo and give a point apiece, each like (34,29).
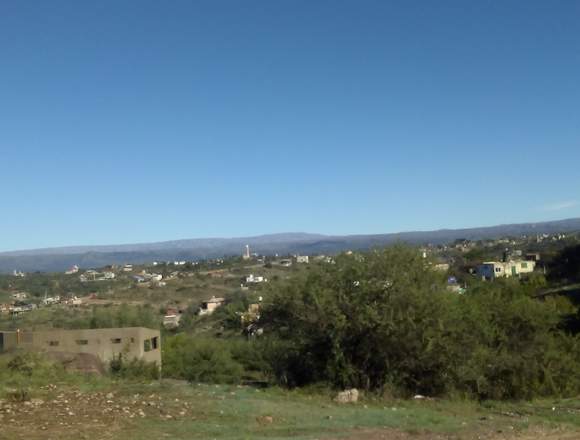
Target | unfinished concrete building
(104,344)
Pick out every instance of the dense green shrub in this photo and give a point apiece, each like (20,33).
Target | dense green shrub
(23,363)
(200,360)
(134,368)
(513,345)
(105,317)
(565,267)
(385,320)
(22,371)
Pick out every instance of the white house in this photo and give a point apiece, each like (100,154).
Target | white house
(441,267)
(253,279)
(156,277)
(302,259)
(72,270)
(499,269)
(19,296)
(51,300)
(171,321)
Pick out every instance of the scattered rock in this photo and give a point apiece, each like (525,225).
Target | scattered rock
(347,396)
(265,420)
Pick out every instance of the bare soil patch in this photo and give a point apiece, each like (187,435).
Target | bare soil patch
(75,415)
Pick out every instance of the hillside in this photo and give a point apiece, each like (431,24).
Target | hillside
(57,259)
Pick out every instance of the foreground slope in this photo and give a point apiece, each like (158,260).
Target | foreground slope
(100,409)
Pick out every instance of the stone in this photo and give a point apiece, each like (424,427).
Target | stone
(347,396)
(265,420)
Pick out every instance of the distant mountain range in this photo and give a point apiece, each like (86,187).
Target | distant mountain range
(58,259)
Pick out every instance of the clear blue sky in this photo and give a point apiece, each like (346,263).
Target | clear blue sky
(135,121)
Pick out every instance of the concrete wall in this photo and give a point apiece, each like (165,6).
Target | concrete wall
(106,344)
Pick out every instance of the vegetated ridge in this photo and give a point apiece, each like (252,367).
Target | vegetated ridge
(56,259)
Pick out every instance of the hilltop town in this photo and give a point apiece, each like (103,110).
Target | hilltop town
(173,287)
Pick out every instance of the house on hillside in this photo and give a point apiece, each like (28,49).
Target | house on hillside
(255,279)
(74,269)
(74,302)
(171,319)
(441,267)
(209,306)
(500,269)
(51,300)
(533,256)
(19,296)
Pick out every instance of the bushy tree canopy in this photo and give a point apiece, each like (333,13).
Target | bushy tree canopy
(385,319)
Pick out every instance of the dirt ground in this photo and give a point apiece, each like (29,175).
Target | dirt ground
(76,415)
(71,414)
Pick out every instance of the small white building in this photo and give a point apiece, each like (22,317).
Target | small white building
(253,279)
(75,302)
(19,296)
(499,269)
(441,267)
(302,259)
(171,321)
(72,270)
(51,300)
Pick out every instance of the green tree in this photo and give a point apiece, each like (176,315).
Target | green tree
(384,319)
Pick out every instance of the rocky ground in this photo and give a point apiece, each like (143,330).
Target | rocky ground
(75,414)
(182,411)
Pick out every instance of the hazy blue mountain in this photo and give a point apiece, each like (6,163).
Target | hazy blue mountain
(57,259)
